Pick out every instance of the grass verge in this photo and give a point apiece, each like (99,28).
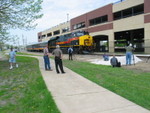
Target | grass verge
(22,90)
(22,53)
(129,84)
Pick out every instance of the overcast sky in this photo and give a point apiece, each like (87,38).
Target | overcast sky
(55,12)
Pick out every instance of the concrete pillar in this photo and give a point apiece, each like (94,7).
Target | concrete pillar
(147,38)
(111,41)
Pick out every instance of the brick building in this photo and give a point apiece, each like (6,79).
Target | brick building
(114,26)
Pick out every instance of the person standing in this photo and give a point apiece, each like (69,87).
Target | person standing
(12,58)
(129,50)
(70,51)
(46,59)
(58,59)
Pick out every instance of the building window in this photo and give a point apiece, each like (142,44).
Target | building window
(57,32)
(136,10)
(49,34)
(65,30)
(98,20)
(104,18)
(43,36)
(117,15)
(92,22)
(127,13)
(79,25)
(39,37)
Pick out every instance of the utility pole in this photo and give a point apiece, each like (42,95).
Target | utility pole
(67,17)
(23,41)
(26,43)
(18,44)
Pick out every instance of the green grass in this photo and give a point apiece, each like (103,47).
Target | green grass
(133,85)
(22,90)
(22,53)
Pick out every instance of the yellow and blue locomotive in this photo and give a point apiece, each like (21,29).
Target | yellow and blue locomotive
(81,42)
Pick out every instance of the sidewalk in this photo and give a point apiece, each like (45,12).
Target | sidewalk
(75,94)
(2,56)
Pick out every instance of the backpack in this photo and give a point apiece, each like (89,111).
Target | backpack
(118,64)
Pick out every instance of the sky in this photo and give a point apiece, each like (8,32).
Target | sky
(56,12)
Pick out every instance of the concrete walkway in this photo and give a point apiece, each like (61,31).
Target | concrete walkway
(75,94)
(3,56)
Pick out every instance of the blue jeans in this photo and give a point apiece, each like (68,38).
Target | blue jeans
(46,62)
(128,58)
(106,58)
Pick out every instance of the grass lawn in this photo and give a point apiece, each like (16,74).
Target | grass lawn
(22,90)
(130,84)
(21,53)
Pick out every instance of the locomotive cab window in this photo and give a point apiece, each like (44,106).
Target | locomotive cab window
(80,34)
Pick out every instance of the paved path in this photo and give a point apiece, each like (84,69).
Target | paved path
(2,56)
(75,94)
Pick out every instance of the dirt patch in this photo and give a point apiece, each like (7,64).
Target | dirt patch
(139,67)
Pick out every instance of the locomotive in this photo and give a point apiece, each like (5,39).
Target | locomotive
(80,41)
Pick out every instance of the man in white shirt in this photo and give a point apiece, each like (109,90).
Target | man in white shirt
(46,59)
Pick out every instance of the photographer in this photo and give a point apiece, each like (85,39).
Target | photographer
(129,50)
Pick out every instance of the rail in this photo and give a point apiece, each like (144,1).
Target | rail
(118,2)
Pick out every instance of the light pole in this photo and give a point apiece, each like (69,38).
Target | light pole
(67,17)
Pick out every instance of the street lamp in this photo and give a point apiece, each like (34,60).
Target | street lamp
(67,17)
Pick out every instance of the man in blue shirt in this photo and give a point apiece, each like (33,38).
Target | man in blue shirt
(129,50)
(12,58)
(70,51)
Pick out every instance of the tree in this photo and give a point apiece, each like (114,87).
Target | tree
(4,36)
(18,14)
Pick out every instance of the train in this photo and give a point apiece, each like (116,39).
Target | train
(36,47)
(80,41)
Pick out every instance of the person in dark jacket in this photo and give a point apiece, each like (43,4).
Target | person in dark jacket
(58,59)
(70,51)
(114,61)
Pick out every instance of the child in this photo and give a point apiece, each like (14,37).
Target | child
(12,58)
